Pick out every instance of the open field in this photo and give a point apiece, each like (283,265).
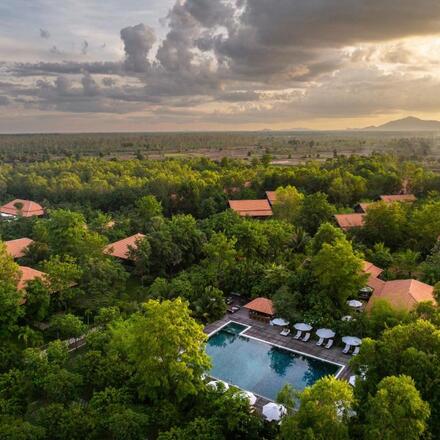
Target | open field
(285,148)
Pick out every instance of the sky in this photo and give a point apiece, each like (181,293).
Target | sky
(196,65)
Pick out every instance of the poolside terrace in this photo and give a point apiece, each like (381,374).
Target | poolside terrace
(271,334)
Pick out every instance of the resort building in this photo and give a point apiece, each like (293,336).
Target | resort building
(21,208)
(350,221)
(361,208)
(260,308)
(28,274)
(401,294)
(121,249)
(17,248)
(251,208)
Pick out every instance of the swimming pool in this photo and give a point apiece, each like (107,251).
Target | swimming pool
(261,367)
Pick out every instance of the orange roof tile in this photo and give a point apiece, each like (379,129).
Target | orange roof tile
(28,274)
(261,305)
(349,221)
(121,248)
(371,269)
(17,248)
(398,198)
(251,208)
(403,294)
(29,209)
(271,196)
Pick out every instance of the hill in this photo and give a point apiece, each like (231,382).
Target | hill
(407,124)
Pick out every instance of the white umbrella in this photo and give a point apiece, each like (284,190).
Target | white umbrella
(352,340)
(303,327)
(250,396)
(216,384)
(347,318)
(325,333)
(273,411)
(354,303)
(280,322)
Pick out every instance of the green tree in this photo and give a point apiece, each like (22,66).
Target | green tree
(424,225)
(405,263)
(327,233)
(396,411)
(37,300)
(385,223)
(323,413)
(175,359)
(380,255)
(288,204)
(10,309)
(338,271)
(315,210)
(146,209)
(67,326)
(9,272)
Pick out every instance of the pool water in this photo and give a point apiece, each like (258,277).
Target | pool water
(261,367)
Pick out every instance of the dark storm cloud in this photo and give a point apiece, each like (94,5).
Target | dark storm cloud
(66,67)
(138,41)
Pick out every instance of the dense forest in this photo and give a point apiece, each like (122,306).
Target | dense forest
(140,373)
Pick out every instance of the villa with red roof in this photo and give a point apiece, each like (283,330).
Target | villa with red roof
(400,294)
(21,208)
(271,196)
(121,249)
(28,274)
(251,208)
(17,248)
(403,198)
(260,306)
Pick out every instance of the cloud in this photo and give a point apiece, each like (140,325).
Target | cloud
(138,41)
(44,33)
(4,100)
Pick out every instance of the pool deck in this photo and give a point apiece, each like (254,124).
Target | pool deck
(271,334)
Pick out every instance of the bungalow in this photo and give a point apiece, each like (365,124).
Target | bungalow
(350,221)
(17,248)
(121,249)
(21,208)
(251,208)
(361,208)
(260,308)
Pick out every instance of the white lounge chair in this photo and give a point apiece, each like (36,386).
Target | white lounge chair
(298,334)
(320,342)
(306,337)
(346,349)
(356,351)
(329,343)
(285,332)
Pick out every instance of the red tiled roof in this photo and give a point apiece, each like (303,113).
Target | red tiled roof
(349,221)
(261,305)
(29,208)
(398,198)
(364,206)
(251,208)
(28,274)
(371,269)
(403,294)
(121,248)
(17,248)
(271,196)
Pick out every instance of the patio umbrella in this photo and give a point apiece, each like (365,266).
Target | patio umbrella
(280,322)
(325,333)
(303,327)
(250,396)
(352,340)
(347,318)
(354,303)
(216,384)
(352,381)
(273,411)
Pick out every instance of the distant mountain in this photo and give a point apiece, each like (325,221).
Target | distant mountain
(407,124)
